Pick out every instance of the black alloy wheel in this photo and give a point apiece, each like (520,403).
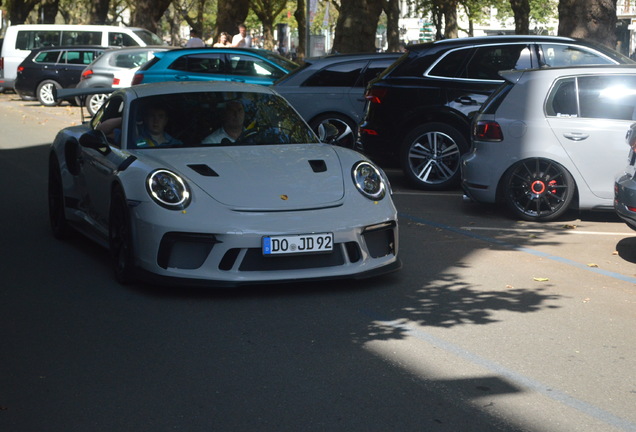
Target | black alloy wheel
(120,239)
(538,189)
(431,156)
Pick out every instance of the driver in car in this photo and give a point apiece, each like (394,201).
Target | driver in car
(232,128)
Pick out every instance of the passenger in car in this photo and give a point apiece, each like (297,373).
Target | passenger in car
(153,133)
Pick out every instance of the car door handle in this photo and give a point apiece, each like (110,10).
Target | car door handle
(181,77)
(466,100)
(576,136)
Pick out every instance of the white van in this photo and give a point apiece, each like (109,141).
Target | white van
(20,39)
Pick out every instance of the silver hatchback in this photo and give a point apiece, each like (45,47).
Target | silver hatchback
(551,139)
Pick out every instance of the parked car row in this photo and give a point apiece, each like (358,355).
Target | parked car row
(419,110)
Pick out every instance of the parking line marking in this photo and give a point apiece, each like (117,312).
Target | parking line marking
(548,391)
(528,250)
(546,231)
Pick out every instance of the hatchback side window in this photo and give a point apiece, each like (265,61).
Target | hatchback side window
(252,66)
(567,55)
(337,75)
(47,57)
(199,63)
(489,60)
(608,97)
(563,99)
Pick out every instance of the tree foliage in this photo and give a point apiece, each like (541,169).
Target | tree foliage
(589,19)
(355,21)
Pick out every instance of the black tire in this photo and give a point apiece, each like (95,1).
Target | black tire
(120,239)
(431,154)
(45,93)
(57,216)
(538,189)
(346,128)
(94,102)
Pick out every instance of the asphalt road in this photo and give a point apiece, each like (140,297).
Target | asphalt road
(492,325)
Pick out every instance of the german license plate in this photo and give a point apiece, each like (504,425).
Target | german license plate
(298,244)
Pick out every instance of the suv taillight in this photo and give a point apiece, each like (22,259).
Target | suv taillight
(20,68)
(87,73)
(487,130)
(375,95)
(137,79)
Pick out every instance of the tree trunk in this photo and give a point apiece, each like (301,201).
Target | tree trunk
(521,11)
(589,19)
(18,11)
(231,13)
(98,13)
(299,14)
(392,10)
(451,27)
(356,26)
(147,14)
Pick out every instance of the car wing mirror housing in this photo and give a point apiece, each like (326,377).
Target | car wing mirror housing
(95,140)
(327,133)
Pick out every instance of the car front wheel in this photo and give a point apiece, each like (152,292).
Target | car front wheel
(46,93)
(431,155)
(538,189)
(120,239)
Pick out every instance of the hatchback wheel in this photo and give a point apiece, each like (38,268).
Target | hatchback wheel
(120,239)
(46,93)
(346,136)
(538,189)
(94,102)
(431,156)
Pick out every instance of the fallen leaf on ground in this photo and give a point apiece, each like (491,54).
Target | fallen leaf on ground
(541,279)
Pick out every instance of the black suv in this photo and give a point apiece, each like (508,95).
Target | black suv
(418,110)
(46,69)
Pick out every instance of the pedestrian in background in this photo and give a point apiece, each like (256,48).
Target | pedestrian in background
(242,39)
(195,41)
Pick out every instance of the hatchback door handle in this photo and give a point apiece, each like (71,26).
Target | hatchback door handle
(576,136)
(466,100)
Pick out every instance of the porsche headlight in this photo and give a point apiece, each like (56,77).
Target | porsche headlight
(168,189)
(369,180)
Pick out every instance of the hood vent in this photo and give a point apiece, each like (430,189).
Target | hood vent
(318,165)
(204,170)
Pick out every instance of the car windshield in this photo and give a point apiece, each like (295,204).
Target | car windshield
(148,37)
(215,119)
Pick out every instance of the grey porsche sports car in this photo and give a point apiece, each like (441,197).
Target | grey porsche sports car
(220,184)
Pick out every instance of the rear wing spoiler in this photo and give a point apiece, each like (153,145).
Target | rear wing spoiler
(81,94)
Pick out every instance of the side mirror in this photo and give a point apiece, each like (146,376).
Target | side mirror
(327,133)
(95,140)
